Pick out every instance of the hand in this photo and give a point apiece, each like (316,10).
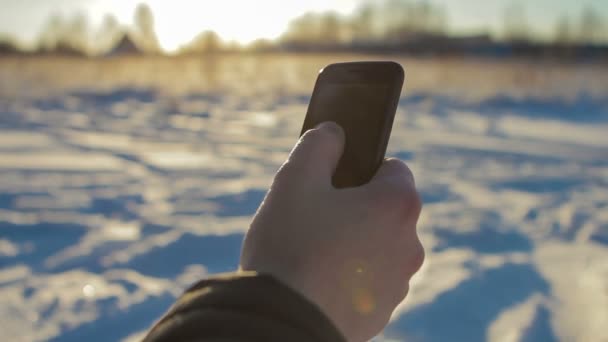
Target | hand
(350,251)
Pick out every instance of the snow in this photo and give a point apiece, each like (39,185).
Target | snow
(124,180)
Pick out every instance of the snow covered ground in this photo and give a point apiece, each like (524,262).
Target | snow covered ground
(123,181)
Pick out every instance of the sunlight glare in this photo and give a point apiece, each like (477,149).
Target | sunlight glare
(177,25)
(180,21)
(89,291)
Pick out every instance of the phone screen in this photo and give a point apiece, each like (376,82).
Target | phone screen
(360,109)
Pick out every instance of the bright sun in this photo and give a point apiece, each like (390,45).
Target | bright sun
(179,21)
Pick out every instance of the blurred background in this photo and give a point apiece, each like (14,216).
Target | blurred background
(137,138)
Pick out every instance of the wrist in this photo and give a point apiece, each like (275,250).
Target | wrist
(347,307)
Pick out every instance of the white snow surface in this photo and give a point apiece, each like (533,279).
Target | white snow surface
(123,181)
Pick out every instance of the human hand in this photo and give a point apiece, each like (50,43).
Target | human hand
(350,251)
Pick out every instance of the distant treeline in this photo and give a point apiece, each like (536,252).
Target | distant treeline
(421,28)
(74,36)
(415,27)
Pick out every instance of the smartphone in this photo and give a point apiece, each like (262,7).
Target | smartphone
(362,98)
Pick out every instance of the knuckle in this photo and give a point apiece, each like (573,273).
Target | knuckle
(415,205)
(400,209)
(418,256)
(400,169)
(396,190)
(404,198)
(404,292)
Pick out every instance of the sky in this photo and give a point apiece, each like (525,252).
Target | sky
(178,21)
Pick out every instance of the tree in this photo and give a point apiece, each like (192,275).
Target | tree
(406,19)
(144,25)
(438,22)
(302,30)
(563,31)
(52,32)
(66,36)
(364,24)
(206,42)
(591,26)
(516,27)
(398,20)
(109,33)
(330,29)
(77,35)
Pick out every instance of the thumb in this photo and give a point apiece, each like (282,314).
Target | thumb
(317,153)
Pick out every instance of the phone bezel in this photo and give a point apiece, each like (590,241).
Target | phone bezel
(371,72)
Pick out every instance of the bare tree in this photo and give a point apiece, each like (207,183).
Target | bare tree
(77,35)
(563,31)
(405,19)
(109,33)
(438,23)
(364,24)
(302,30)
(330,29)
(66,36)
(52,32)
(591,26)
(144,24)
(374,22)
(516,26)
(206,42)
(421,14)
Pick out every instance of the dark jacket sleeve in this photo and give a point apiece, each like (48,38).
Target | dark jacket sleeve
(243,307)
